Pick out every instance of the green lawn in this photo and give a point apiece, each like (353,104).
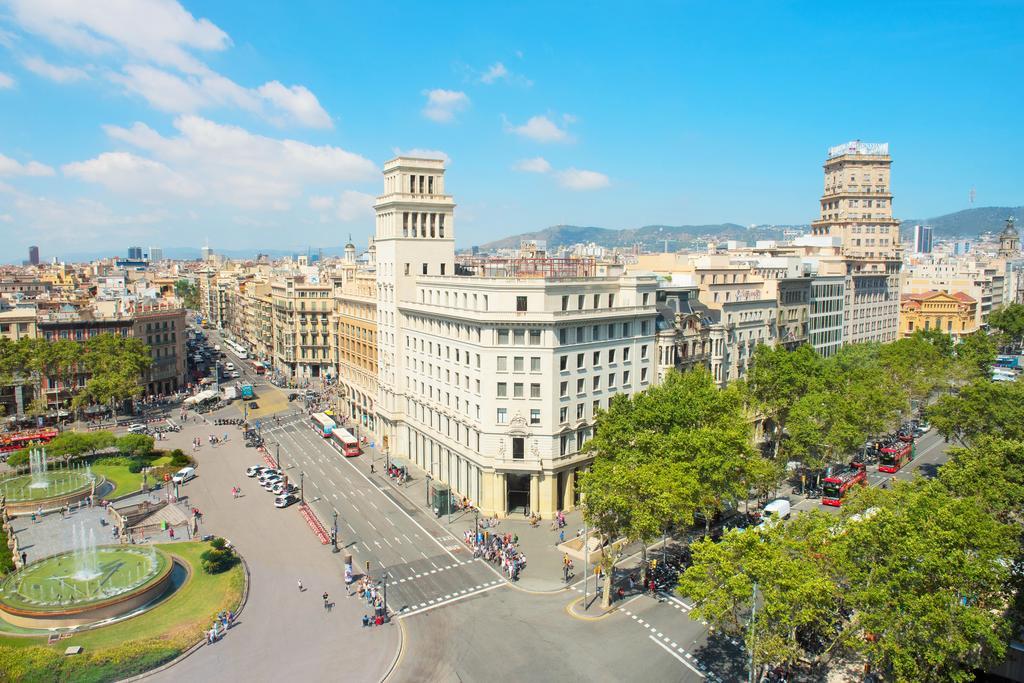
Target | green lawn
(134,645)
(124,481)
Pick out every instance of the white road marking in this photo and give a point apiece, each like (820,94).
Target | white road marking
(448,602)
(681,660)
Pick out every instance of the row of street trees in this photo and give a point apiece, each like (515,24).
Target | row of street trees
(684,450)
(918,581)
(113,364)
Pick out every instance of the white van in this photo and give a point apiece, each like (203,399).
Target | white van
(183,475)
(774,511)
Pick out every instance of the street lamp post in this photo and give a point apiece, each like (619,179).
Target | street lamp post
(278,454)
(428,478)
(385,578)
(586,568)
(302,486)
(334,534)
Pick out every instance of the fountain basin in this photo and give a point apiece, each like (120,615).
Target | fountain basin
(24,495)
(63,591)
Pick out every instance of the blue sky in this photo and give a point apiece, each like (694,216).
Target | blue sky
(264,124)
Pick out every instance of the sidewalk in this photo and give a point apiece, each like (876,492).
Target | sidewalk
(543,572)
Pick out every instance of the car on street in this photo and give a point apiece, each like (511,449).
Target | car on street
(269,483)
(285,500)
(137,428)
(254,470)
(183,475)
(235,375)
(278,489)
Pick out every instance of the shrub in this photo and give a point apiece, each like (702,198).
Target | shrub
(219,558)
(119,460)
(135,465)
(179,459)
(6,561)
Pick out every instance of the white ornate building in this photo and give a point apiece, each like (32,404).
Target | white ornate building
(491,371)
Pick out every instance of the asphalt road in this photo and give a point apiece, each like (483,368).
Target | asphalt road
(426,566)
(932,451)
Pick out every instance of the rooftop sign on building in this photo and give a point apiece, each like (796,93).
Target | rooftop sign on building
(858,147)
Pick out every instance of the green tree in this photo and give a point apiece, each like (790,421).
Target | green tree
(1010,321)
(982,407)
(188,292)
(926,575)
(136,445)
(661,454)
(796,590)
(115,364)
(777,379)
(917,365)
(991,471)
(975,355)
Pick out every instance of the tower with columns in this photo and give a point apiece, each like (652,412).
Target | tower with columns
(414,237)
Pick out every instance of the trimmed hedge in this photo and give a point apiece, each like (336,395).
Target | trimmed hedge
(6,561)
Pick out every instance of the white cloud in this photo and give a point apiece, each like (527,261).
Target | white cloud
(6,218)
(420,153)
(11,167)
(297,101)
(577,179)
(240,168)
(160,31)
(493,73)
(127,173)
(499,72)
(151,44)
(318,203)
(58,74)
(442,105)
(354,205)
(5,81)
(540,129)
(534,165)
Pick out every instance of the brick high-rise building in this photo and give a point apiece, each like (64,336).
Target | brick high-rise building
(856,206)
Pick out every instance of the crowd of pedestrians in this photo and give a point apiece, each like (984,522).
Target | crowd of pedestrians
(500,550)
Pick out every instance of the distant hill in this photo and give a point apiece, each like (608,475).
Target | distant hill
(649,236)
(967,224)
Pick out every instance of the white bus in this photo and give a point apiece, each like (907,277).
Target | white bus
(323,424)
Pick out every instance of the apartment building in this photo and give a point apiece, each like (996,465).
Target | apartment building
(734,295)
(354,329)
(856,206)
(302,307)
(491,371)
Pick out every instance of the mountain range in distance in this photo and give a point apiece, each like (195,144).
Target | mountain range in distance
(966,224)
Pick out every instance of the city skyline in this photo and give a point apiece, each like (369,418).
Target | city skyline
(213,127)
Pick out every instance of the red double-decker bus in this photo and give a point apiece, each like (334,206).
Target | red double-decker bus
(15,441)
(833,488)
(895,456)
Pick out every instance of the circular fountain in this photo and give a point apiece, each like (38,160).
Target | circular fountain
(46,486)
(87,584)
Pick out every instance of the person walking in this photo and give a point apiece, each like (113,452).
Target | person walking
(327,602)
(301,589)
